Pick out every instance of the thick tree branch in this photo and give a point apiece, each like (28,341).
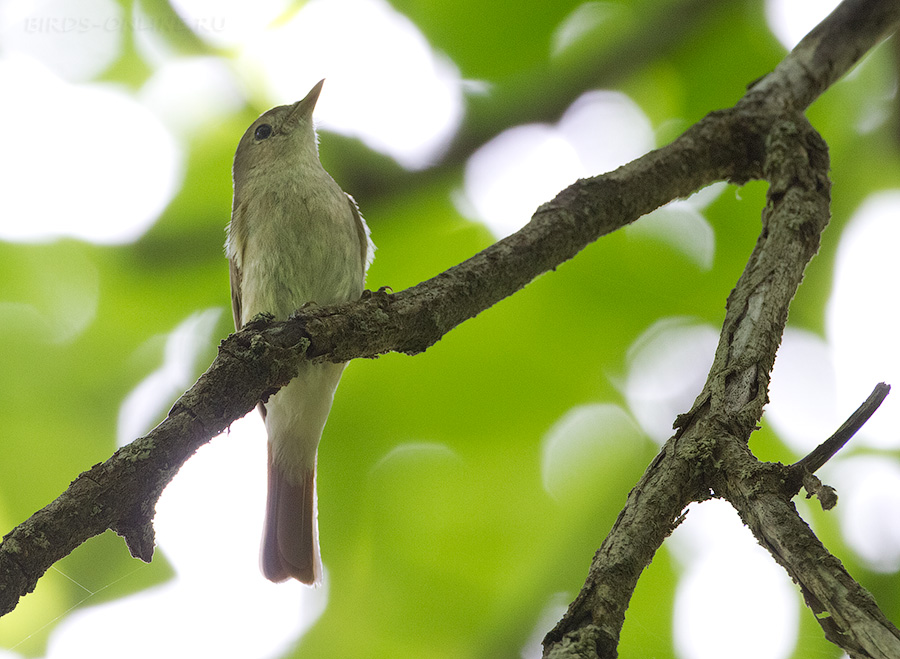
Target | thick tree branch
(829,51)
(792,222)
(732,399)
(252,364)
(846,612)
(700,458)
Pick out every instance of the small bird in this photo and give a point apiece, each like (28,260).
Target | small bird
(295,237)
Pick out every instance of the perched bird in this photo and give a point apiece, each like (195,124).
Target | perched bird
(294,237)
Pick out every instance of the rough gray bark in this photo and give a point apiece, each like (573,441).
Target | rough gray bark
(708,455)
(764,136)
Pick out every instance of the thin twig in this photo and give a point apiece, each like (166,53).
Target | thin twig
(824,451)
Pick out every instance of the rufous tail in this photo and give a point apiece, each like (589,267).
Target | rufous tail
(290,545)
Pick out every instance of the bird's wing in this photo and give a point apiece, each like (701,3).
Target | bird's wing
(235,273)
(365,243)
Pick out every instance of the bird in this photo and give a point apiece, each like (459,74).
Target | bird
(295,238)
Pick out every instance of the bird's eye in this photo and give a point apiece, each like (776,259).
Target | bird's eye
(263,131)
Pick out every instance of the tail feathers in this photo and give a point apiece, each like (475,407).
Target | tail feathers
(290,545)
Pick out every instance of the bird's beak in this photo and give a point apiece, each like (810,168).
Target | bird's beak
(303,109)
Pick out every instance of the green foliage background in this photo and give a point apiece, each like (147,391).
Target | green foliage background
(464,555)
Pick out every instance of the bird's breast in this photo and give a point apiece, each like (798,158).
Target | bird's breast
(301,245)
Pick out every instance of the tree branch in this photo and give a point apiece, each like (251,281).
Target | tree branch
(734,395)
(252,364)
(801,473)
(846,612)
(824,451)
(829,51)
(709,451)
